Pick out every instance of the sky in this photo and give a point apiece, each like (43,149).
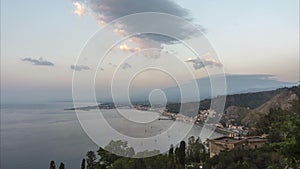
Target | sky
(41,40)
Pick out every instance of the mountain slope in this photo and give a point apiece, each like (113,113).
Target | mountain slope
(283,100)
(245,108)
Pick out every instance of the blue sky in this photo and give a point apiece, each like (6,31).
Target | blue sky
(253,36)
(250,37)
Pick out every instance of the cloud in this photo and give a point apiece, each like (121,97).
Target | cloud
(125,66)
(119,29)
(151,54)
(145,42)
(111,64)
(124,47)
(80,9)
(200,63)
(38,62)
(108,10)
(80,67)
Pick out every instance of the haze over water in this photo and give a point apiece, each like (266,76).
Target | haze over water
(34,134)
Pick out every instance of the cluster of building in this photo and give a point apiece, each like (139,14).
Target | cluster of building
(227,143)
(229,127)
(238,129)
(235,138)
(203,115)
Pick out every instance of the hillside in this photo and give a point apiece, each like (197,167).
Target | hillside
(250,100)
(283,100)
(246,100)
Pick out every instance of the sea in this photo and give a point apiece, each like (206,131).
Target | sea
(34,134)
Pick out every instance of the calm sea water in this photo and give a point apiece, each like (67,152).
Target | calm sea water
(34,134)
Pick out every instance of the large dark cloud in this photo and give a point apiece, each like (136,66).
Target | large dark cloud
(79,67)
(38,62)
(108,10)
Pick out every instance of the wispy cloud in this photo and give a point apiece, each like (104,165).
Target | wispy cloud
(111,64)
(125,66)
(79,67)
(38,62)
(119,29)
(124,47)
(79,8)
(200,63)
(151,54)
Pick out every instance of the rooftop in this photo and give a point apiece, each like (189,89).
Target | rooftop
(226,139)
(256,139)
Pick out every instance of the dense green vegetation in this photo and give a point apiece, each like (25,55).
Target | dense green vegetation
(283,150)
(173,159)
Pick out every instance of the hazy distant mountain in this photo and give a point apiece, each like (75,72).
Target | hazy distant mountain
(235,84)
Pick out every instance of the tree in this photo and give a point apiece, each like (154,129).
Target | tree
(176,155)
(171,150)
(257,158)
(62,166)
(181,153)
(106,158)
(91,160)
(122,163)
(171,162)
(52,165)
(83,164)
(120,148)
(288,139)
(195,150)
